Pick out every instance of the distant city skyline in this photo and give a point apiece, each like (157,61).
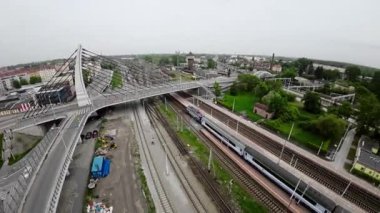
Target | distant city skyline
(344,31)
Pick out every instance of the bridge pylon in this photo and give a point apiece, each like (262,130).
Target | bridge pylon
(82,97)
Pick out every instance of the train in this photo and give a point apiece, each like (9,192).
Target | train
(248,154)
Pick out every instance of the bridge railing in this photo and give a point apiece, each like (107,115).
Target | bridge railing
(28,168)
(60,179)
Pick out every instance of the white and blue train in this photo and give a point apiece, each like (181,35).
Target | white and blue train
(246,153)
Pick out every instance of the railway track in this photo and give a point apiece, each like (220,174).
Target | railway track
(256,190)
(200,172)
(342,186)
(193,196)
(164,201)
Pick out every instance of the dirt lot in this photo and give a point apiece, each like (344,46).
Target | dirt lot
(121,188)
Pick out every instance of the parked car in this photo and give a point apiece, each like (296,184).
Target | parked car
(88,135)
(95,133)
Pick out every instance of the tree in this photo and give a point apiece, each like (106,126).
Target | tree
(345,110)
(23,81)
(352,73)
(164,61)
(330,75)
(35,79)
(16,84)
(318,73)
(233,89)
(86,76)
(289,73)
(277,104)
(247,82)
(302,64)
(312,102)
(177,59)
(261,89)
(374,86)
(369,114)
(329,127)
(217,89)
(211,64)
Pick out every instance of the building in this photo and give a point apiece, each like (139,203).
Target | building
(190,60)
(54,96)
(46,74)
(277,68)
(263,111)
(367,158)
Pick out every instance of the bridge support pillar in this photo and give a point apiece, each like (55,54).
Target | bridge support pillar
(80,89)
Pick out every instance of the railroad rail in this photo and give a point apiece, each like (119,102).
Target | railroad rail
(193,196)
(255,189)
(164,201)
(342,186)
(200,172)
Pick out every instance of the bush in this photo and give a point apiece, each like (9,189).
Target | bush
(290,113)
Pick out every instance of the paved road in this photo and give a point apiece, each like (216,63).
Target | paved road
(39,194)
(341,155)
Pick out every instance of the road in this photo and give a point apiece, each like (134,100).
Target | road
(341,155)
(39,195)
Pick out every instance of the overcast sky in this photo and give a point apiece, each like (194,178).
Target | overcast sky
(342,30)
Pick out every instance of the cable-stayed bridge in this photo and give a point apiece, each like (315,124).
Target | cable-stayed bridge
(85,83)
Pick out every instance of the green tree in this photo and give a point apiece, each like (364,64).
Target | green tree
(217,89)
(177,59)
(164,61)
(86,76)
(247,82)
(24,81)
(211,64)
(329,127)
(289,73)
(35,79)
(261,89)
(289,113)
(233,89)
(369,114)
(303,64)
(16,84)
(330,75)
(312,102)
(352,73)
(277,104)
(318,73)
(375,84)
(345,110)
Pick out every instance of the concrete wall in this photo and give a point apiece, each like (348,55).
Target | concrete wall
(34,130)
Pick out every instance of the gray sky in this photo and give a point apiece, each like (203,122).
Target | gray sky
(342,30)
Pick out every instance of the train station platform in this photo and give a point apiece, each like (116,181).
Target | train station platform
(338,199)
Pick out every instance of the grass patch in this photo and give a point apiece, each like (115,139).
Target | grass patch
(299,135)
(142,178)
(243,104)
(351,154)
(222,176)
(17,157)
(117,79)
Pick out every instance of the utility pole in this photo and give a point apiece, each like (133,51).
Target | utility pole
(320,147)
(283,145)
(209,160)
(233,105)
(166,165)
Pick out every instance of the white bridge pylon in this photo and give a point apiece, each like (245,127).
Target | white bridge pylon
(81,93)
